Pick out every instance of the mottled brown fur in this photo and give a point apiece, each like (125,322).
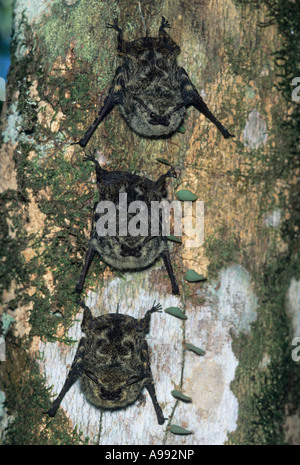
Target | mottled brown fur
(128,253)
(149,87)
(112,361)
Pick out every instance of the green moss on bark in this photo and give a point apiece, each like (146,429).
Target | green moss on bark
(267,378)
(27,398)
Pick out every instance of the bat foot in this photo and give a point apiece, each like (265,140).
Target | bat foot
(172,173)
(114,25)
(90,157)
(156,308)
(164,23)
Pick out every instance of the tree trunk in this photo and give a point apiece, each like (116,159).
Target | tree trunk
(63,60)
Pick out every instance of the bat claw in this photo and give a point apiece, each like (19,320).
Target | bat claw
(90,157)
(82,304)
(78,143)
(115,25)
(227,135)
(51,414)
(165,23)
(172,173)
(156,308)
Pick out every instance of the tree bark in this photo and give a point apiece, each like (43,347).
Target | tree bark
(63,60)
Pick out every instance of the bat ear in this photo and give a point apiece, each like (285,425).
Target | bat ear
(143,324)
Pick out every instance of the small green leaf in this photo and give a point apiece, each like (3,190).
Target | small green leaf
(186,195)
(193,348)
(181,396)
(175,311)
(164,161)
(181,129)
(175,429)
(193,277)
(174,239)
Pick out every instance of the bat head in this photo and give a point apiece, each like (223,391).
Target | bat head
(154,112)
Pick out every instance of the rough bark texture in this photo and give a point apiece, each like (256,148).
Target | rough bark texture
(242,389)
